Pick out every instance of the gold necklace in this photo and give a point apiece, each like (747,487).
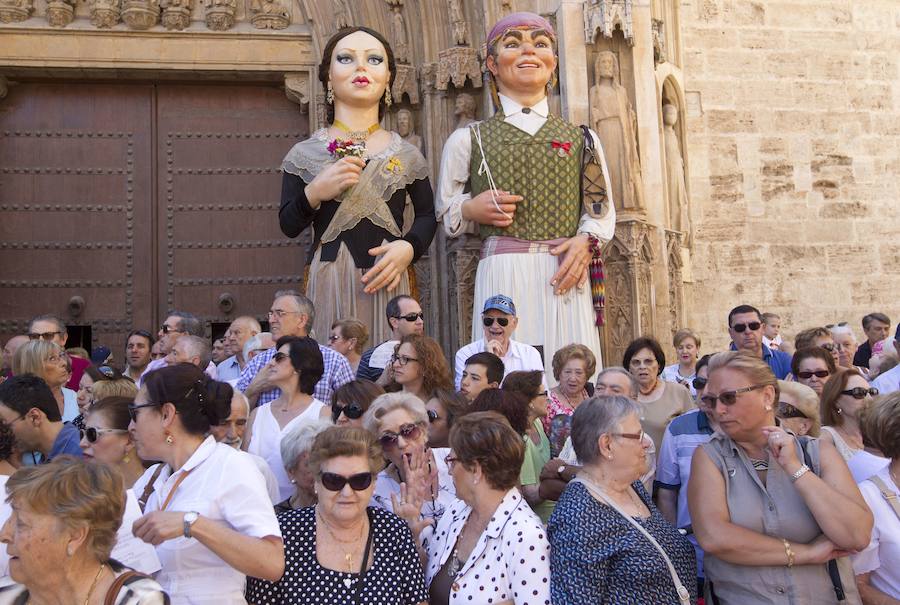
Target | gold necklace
(94,584)
(356,135)
(348,556)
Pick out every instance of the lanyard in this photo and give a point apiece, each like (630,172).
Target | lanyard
(174,488)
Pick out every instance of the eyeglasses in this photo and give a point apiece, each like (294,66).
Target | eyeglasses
(351,411)
(335,483)
(699,383)
(280,313)
(132,409)
(43,335)
(753,325)
(409,432)
(728,397)
(54,358)
(93,434)
(411,317)
(828,346)
(860,392)
(818,374)
(166,328)
(489,321)
(786,410)
(839,324)
(450,460)
(636,436)
(433,416)
(332,338)
(279,357)
(402,359)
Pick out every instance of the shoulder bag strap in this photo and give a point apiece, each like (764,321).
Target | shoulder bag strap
(889,496)
(120,581)
(684,596)
(148,489)
(365,558)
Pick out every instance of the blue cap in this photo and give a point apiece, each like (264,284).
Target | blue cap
(99,355)
(501,303)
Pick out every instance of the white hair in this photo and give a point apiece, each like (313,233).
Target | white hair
(300,440)
(256,343)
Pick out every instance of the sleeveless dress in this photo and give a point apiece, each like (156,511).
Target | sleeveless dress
(265,440)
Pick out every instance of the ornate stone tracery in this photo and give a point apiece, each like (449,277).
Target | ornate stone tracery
(605,16)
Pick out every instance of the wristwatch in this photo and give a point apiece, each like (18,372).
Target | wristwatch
(560,470)
(189,519)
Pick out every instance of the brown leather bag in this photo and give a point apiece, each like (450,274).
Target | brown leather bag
(120,582)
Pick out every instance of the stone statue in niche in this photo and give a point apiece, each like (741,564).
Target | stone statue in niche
(406,128)
(342,14)
(615,123)
(679,211)
(458,21)
(269,14)
(401,39)
(464,109)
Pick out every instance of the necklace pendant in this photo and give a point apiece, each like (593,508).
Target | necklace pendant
(348,582)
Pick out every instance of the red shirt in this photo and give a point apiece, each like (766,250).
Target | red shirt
(78,366)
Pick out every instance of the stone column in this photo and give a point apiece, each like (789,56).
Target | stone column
(573,62)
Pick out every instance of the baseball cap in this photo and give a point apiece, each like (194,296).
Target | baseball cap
(501,303)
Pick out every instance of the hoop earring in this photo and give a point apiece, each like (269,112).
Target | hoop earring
(388,100)
(329,94)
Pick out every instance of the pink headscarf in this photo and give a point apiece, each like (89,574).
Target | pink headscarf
(518,21)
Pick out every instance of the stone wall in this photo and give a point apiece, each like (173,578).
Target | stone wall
(794,146)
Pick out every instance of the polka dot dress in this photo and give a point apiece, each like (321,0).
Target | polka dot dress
(395,578)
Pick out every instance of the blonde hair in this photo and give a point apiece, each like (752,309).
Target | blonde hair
(881,424)
(755,369)
(570,352)
(683,334)
(389,402)
(123,387)
(77,494)
(30,357)
(353,328)
(807,402)
(338,441)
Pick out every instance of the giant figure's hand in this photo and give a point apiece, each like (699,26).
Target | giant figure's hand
(334,180)
(389,269)
(576,252)
(481,208)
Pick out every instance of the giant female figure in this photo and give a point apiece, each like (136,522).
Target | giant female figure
(350,181)
(514,180)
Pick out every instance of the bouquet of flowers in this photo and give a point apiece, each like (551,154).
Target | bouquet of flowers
(341,149)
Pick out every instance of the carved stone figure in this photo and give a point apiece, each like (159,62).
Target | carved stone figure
(607,16)
(406,128)
(104,13)
(679,211)
(458,22)
(506,7)
(457,64)
(269,14)
(464,109)
(659,41)
(398,32)
(220,14)
(342,16)
(405,83)
(615,123)
(60,13)
(176,14)
(140,14)
(13,11)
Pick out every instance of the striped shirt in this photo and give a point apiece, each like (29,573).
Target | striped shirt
(337,373)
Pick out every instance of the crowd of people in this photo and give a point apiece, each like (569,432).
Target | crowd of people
(341,456)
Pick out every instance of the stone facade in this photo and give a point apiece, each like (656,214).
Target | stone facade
(794,146)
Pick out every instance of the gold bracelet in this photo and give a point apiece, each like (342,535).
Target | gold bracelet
(790,553)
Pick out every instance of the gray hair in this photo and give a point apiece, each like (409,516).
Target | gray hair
(60,324)
(635,387)
(251,322)
(595,417)
(304,306)
(256,343)
(197,347)
(188,323)
(299,441)
(389,402)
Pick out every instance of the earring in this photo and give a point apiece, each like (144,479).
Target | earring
(839,411)
(387,96)
(474,481)
(768,408)
(610,456)
(126,459)
(293,482)
(329,94)
(169,439)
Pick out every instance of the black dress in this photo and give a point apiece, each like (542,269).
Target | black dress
(395,578)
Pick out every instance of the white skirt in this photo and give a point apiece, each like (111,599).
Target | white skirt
(546,320)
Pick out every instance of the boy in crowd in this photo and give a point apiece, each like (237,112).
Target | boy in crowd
(483,371)
(772,330)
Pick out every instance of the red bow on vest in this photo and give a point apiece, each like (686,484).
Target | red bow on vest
(562,148)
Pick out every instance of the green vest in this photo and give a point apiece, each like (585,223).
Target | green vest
(538,169)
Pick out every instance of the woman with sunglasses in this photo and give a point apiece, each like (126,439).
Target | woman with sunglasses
(296,368)
(350,401)
(48,361)
(400,422)
(443,409)
(769,510)
(208,512)
(845,397)
(798,409)
(349,338)
(105,437)
(811,366)
(341,550)
(418,367)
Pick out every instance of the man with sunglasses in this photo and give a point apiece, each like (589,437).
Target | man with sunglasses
(499,321)
(177,324)
(52,328)
(890,380)
(745,329)
(28,407)
(404,316)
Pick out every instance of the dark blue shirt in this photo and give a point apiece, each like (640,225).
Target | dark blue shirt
(66,443)
(779,361)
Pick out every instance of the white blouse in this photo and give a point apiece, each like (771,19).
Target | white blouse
(511,561)
(224,485)
(882,556)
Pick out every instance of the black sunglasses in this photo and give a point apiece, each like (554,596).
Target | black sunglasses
(489,321)
(411,317)
(166,328)
(409,432)
(828,346)
(786,410)
(132,409)
(753,325)
(93,434)
(699,382)
(433,416)
(817,374)
(860,392)
(351,411)
(279,357)
(42,335)
(335,483)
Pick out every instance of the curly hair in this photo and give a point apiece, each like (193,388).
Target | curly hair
(435,369)
(7,441)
